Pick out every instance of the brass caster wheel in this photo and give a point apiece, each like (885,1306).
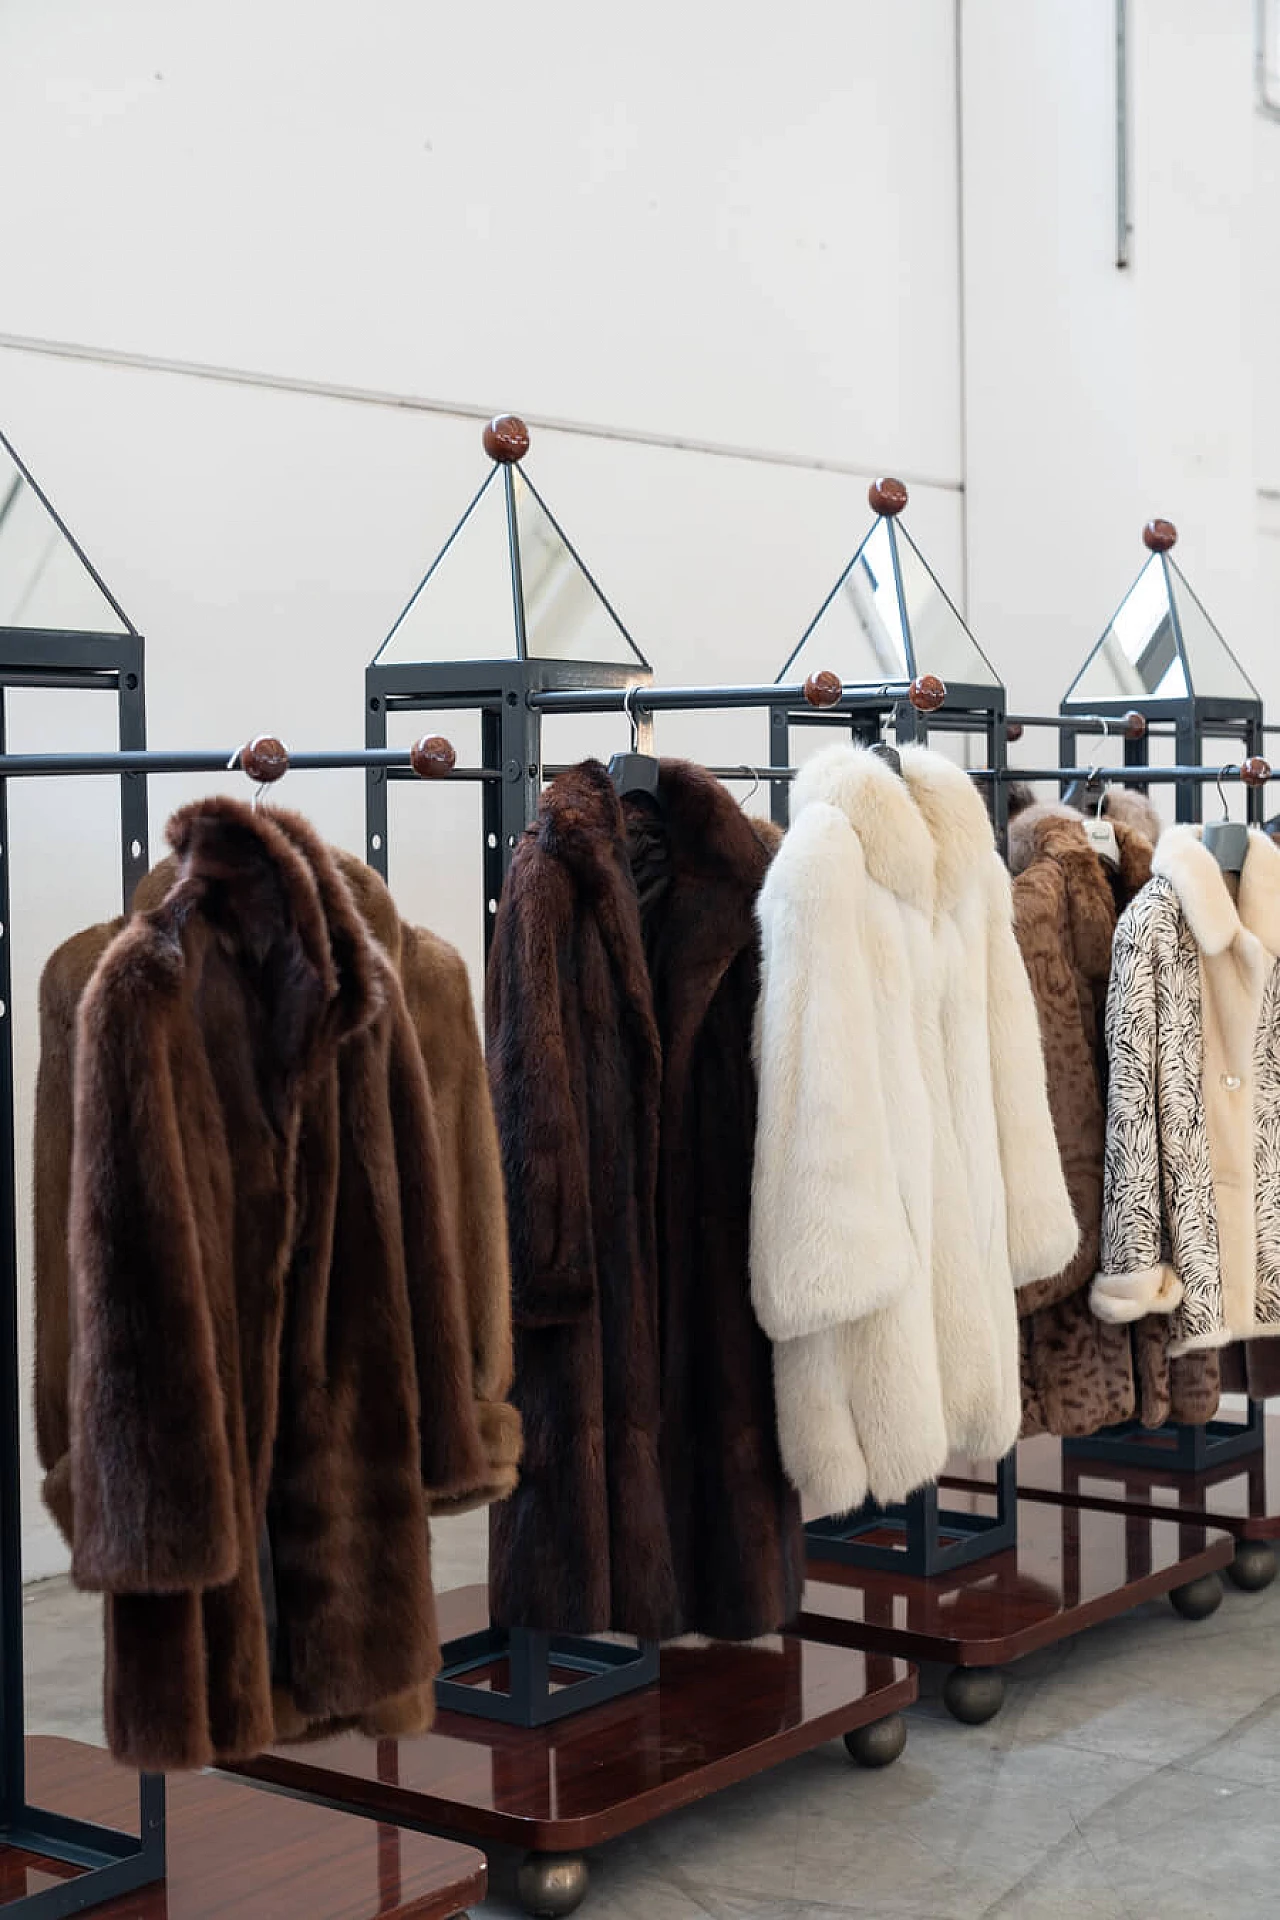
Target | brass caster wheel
(551,1884)
(879,1743)
(973,1695)
(1198,1599)
(1254,1565)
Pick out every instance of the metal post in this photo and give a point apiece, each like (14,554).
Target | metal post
(779,756)
(375,782)
(12,1751)
(131,700)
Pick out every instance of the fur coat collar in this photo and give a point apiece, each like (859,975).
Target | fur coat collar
(901,1081)
(1218,922)
(621,990)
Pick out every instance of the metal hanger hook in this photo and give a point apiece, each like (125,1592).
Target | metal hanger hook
(628,707)
(755,782)
(1095,761)
(1217,781)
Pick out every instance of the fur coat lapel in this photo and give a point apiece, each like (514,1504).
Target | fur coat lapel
(900,1079)
(620,995)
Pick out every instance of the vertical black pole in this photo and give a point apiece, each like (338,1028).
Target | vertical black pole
(12,1754)
(134,825)
(779,756)
(375,781)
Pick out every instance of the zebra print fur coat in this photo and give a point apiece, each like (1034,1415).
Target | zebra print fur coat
(1191,1191)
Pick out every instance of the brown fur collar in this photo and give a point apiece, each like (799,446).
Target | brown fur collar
(1095,894)
(581,821)
(253,871)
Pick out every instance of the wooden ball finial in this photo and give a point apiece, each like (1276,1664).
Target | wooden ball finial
(506,439)
(1255,772)
(265,759)
(1134,724)
(1160,535)
(432,757)
(1013,730)
(823,689)
(887,497)
(927,693)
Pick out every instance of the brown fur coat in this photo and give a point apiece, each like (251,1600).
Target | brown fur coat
(621,993)
(1078,1373)
(267,1332)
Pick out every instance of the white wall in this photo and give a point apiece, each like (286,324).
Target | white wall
(740,257)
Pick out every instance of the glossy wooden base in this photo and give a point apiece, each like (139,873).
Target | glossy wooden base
(717,1714)
(234,1851)
(1074,1566)
(1241,1496)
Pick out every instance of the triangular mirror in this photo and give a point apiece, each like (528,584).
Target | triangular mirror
(46,580)
(1160,644)
(887,617)
(508,583)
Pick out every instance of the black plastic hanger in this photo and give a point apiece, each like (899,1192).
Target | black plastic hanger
(633,771)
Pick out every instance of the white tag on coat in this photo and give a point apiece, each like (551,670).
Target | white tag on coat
(1101,836)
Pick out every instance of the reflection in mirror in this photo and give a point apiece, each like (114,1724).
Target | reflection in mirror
(888,619)
(463,609)
(45,579)
(1160,645)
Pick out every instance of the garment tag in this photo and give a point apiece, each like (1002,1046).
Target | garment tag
(1101,836)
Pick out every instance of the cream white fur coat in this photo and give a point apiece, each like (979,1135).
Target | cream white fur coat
(906,1174)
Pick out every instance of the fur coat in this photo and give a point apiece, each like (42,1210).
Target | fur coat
(437,993)
(267,1336)
(1080,1373)
(1191,1203)
(621,989)
(906,1175)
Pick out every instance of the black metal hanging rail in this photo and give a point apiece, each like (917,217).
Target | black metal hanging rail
(1253,772)
(820,690)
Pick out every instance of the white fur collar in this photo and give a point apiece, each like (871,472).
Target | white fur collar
(878,806)
(1212,915)
(956,818)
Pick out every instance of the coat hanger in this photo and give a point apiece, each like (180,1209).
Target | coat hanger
(1100,833)
(1227,839)
(889,754)
(633,771)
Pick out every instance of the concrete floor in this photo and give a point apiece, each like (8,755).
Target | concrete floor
(1133,1774)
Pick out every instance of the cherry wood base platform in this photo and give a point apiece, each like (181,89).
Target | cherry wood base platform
(717,1714)
(234,1851)
(1240,1497)
(1074,1566)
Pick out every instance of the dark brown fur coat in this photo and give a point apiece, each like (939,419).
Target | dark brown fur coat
(621,993)
(266,1317)
(1078,1372)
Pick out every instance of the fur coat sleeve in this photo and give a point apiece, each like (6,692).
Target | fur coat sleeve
(1135,1277)
(1042,923)
(1042,1229)
(152,1487)
(438,993)
(537,1098)
(823,1128)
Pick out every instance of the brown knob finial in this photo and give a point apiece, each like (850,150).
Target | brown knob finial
(823,689)
(887,497)
(1255,772)
(432,757)
(265,759)
(1013,730)
(1134,724)
(1160,535)
(927,693)
(506,439)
